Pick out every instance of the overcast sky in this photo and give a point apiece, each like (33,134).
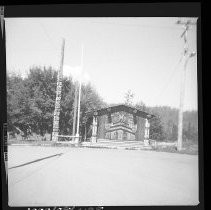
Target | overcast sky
(140,54)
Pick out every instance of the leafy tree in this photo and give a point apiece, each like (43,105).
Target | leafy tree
(41,89)
(129,96)
(141,106)
(67,101)
(41,86)
(156,129)
(169,119)
(190,133)
(31,102)
(174,133)
(90,101)
(18,104)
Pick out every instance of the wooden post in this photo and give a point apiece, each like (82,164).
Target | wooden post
(79,100)
(186,55)
(146,134)
(139,135)
(101,127)
(94,130)
(75,109)
(85,132)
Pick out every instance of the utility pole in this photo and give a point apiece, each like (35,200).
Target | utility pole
(79,99)
(75,108)
(58,96)
(186,57)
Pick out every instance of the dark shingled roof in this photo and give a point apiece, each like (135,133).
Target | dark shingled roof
(119,108)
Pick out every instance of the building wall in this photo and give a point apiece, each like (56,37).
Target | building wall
(140,129)
(101,131)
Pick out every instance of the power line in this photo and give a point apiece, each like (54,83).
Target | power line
(168,81)
(170,78)
(47,35)
(134,25)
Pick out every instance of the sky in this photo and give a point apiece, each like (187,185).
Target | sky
(119,54)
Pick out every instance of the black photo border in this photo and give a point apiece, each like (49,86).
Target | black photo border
(101,9)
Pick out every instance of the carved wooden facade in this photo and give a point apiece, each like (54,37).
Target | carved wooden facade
(120,122)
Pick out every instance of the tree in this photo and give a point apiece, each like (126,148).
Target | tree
(18,104)
(31,102)
(190,133)
(141,106)
(67,101)
(156,129)
(129,96)
(90,101)
(169,119)
(41,87)
(174,133)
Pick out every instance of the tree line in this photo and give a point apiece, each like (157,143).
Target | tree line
(165,125)
(31,101)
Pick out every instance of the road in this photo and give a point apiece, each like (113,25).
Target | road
(100,177)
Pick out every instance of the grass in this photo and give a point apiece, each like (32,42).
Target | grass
(188,147)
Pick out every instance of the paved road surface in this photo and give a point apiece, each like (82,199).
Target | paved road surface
(94,177)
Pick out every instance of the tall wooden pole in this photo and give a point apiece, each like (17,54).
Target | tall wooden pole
(79,98)
(75,108)
(186,57)
(58,96)
(180,118)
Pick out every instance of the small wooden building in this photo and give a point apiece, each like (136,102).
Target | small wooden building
(121,122)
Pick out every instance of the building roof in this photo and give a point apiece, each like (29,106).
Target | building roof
(119,108)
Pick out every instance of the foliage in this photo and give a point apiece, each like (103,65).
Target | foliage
(18,111)
(141,106)
(41,87)
(129,96)
(31,101)
(169,119)
(156,129)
